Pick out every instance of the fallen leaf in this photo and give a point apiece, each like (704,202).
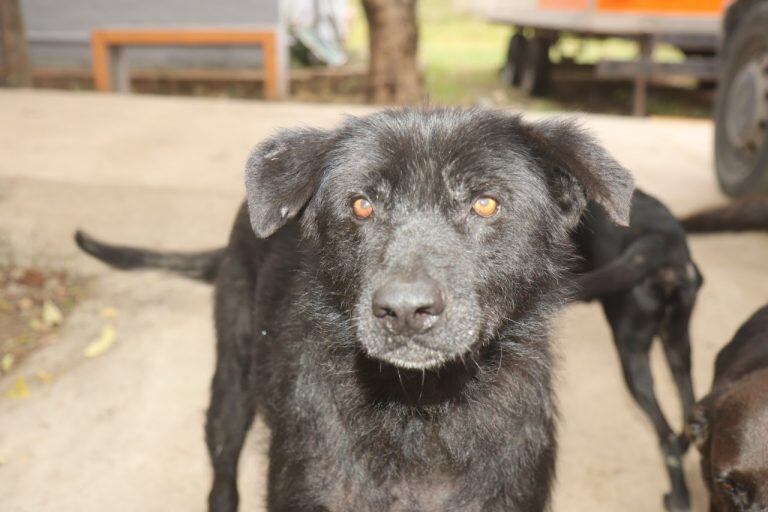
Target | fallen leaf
(109,312)
(37,325)
(103,343)
(19,389)
(6,363)
(25,303)
(51,314)
(5,306)
(45,377)
(32,278)
(3,461)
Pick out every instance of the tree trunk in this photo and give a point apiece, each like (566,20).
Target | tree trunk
(18,72)
(393,73)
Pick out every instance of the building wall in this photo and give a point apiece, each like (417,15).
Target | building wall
(59,30)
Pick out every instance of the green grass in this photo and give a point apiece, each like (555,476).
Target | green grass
(461,54)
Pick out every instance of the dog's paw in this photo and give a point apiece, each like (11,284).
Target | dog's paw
(674,503)
(683,443)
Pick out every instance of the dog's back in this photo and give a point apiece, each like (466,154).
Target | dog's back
(747,352)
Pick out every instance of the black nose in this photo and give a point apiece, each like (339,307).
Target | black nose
(409,306)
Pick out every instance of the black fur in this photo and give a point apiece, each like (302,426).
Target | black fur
(730,425)
(202,265)
(460,418)
(647,283)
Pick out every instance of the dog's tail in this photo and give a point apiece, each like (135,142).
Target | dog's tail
(746,214)
(641,257)
(203,265)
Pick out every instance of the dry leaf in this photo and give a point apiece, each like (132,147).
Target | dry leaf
(3,461)
(109,312)
(19,389)
(37,325)
(45,377)
(104,342)
(6,363)
(51,314)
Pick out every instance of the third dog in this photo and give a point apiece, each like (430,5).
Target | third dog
(730,425)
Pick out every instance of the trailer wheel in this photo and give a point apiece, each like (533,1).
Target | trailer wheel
(741,112)
(535,79)
(513,68)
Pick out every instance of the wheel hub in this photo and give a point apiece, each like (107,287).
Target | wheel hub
(747,107)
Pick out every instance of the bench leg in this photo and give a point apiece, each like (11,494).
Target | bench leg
(121,76)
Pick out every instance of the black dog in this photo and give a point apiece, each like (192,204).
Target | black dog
(730,425)
(390,317)
(647,283)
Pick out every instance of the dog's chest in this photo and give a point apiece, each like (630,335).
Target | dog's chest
(432,492)
(411,474)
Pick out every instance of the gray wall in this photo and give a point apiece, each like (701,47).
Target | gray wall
(59,30)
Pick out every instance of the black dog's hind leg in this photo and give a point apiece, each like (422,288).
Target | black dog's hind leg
(675,337)
(635,323)
(233,402)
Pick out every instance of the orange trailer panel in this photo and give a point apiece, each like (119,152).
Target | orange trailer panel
(638,6)
(663,6)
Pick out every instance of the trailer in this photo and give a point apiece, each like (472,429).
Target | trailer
(691,25)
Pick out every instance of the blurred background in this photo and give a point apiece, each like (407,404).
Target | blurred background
(538,54)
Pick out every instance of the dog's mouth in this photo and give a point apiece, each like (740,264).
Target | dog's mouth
(412,356)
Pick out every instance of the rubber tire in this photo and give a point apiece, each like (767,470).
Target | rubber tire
(748,40)
(515,64)
(535,79)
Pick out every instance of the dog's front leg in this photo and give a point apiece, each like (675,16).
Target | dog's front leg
(233,397)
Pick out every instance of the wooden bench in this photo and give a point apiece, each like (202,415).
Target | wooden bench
(106,45)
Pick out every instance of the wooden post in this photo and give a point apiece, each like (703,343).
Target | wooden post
(640,97)
(18,72)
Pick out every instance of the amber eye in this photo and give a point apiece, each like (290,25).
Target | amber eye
(486,207)
(362,208)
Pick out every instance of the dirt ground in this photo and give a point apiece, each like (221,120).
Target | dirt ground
(123,431)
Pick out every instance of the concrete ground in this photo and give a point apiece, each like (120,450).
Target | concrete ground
(124,431)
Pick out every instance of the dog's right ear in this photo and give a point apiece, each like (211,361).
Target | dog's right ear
(696,428)
(577,157)
(281,175)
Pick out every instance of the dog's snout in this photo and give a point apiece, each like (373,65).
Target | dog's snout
(409,306)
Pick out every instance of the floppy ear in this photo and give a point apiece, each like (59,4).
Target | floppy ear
(697,426)
(281,175)
(574,155)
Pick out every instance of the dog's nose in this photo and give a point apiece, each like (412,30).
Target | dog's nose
(409,306)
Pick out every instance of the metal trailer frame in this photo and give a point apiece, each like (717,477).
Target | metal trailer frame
(690,30)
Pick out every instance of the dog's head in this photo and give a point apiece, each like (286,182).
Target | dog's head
(432,229)
(730,430)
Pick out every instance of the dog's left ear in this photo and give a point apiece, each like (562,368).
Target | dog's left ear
(574,155)
(281,176)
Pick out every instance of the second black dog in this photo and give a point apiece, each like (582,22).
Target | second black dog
(647,283)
